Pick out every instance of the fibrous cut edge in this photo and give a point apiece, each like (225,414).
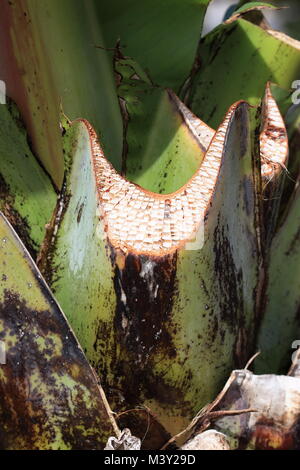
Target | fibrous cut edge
(151,223)
(273,139)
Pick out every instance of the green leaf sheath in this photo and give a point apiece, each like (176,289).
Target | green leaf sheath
(280,325)
(28,198)
(49,397)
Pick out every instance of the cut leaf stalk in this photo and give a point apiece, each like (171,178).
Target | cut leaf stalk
(127,263)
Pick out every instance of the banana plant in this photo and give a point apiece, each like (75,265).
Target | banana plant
(151,191)
(131,320)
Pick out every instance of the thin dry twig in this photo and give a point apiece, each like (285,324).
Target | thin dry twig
(132,410)
(144,409)
(109,411)
(252,359)
(202,414)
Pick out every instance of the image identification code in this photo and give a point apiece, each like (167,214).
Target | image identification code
(151,459)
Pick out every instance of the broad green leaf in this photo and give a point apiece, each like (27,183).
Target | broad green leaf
(28,198)
(162,35)
(143,299)
(49,396)
(49,57)
(236,61)
(161,151)
(53,52)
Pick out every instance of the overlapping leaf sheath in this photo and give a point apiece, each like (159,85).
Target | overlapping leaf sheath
(157,163)
(280,331)
(162,316)
(292,120)
(49,396)
(28,198)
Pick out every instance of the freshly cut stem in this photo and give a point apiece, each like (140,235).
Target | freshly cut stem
(152,282)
